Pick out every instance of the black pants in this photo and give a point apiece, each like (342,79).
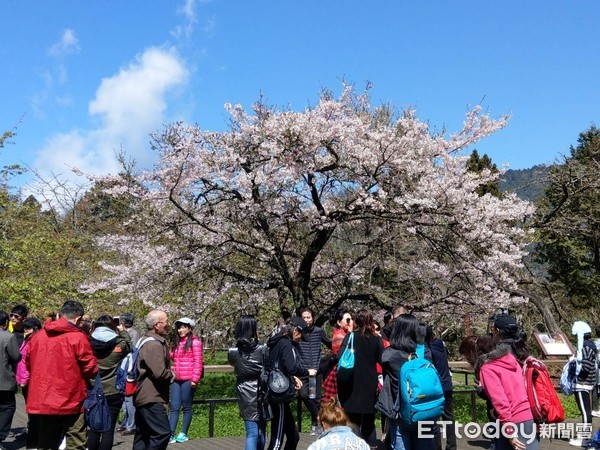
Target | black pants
(52,429)
(104,441)
(153,429)
(282,424)
(7,411)
(312,404)
(450,431)
(365,423)
(584,403)
(32,424)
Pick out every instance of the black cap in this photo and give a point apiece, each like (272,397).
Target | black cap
(32,322)
(299,323)
(505,322)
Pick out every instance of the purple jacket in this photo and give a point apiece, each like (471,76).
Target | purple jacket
(188,365)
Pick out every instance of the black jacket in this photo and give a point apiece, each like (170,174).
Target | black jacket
(439,357)
(284,352)
(359,394)
(247,362)
(310,347)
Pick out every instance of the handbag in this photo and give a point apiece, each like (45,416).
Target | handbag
(280,387)
(96,409)
(327,364)
(345,367)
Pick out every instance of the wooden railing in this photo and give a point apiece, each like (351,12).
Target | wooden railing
(455,366)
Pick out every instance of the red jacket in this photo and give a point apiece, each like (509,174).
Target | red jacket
(188,365)
(60,361)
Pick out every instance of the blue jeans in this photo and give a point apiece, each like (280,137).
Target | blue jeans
(255,435)
(128,421)
(405,437)
(181,398)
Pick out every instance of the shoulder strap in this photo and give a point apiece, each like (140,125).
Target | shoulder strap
(98,382)
(138,346)
(420,351)
(143,341)
(351,341)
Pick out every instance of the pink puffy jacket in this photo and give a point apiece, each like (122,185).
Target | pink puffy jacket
(188,365)
(22,373)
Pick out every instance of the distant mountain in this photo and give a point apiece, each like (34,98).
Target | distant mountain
(528,184)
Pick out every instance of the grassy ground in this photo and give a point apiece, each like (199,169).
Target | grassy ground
(228,423)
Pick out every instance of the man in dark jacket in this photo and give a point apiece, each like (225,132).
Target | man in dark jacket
(17,316)
(9,357)
(439,357)
(61,364)
(154,382)
(310,357)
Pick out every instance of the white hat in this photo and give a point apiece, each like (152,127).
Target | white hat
(579,329)
(186,321)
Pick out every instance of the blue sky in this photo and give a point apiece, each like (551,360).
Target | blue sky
(81,79)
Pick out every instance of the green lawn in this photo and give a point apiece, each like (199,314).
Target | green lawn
(228,422)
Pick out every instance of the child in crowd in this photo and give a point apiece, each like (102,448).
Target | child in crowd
(585,380)
(336,430)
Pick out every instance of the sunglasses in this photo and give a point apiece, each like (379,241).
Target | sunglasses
(349,320)
(15,316)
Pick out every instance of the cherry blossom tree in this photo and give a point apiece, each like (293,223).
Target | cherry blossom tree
(340,202)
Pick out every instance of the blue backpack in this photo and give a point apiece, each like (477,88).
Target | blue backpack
(96,410)
(567,376)
(128,370)
(421,390)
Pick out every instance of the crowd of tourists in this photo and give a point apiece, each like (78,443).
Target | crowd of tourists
(60,364)
(343,403)
(398,368)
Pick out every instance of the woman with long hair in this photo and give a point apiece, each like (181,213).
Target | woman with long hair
(187,364)
(342,322)
(283,354)
(336,431)
(110,346)
(247,359)
(406,332)
(506,331)
(358,393)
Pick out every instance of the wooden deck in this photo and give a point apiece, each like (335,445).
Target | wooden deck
(237,443)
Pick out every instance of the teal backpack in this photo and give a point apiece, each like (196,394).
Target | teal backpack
(421,390)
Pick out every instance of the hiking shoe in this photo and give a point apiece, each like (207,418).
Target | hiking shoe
(314,430)
(172,440)
(181,437)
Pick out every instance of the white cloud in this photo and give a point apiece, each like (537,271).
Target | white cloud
(68,44)
(129,105)
(188,11)
(210,25)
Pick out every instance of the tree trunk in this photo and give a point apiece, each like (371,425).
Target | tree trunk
(547,315)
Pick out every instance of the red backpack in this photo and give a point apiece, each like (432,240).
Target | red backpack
(541,393)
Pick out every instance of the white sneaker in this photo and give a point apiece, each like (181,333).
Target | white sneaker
(596,413)
(576,442)
(314,430)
